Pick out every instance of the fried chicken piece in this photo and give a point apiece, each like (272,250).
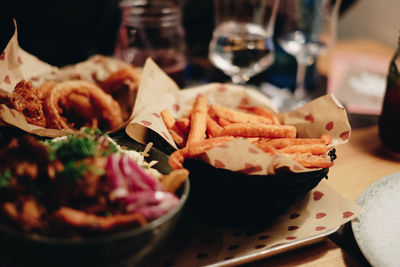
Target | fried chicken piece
(10,209)
(28,169)
(29,218)
(6,99)
(80,219)
(25,100)
(90,184)
(31,215)
(45,88)
(26,156)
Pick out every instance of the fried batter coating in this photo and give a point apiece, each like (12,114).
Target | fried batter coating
(71,102)
(45,88)
(81,219)
(126,76)
(5,99)
(123,85)
(25,100)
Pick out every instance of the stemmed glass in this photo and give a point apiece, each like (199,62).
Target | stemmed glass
(308,31)
(242,39)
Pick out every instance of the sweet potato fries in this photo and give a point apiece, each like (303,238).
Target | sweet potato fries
(209,126)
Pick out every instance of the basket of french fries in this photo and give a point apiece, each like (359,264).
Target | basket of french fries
(247,162)
(243,197)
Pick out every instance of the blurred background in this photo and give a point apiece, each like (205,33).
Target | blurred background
(63,32)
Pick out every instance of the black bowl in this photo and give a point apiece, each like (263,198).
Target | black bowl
(116,249)
(251,202)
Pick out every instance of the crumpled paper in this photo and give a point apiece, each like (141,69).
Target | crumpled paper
(157,91)
(198,243)
(17,64)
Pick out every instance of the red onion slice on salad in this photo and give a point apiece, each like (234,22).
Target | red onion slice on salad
(152,204)
(136,189)
(115,178)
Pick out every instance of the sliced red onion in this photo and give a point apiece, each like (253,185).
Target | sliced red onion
(135,180)
(152,204)
(115,178)
(139,173)
(136,189)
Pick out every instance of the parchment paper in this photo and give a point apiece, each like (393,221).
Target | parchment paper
(320,210)
(197,243)
(200,243)
(157,91)
(16,65)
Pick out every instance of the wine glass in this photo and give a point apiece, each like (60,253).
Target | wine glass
(308,31)
(242,38)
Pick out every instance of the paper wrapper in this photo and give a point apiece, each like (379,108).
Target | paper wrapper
(200,244)
(157,91)
(16,65)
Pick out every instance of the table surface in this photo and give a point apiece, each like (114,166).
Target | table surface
(360,162)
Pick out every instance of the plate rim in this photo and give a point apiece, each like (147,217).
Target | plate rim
(275,250)
(361,198)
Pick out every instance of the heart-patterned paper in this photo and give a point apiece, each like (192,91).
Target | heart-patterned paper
(199,243)
(324,115)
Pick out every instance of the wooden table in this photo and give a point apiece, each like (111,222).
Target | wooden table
(360,162)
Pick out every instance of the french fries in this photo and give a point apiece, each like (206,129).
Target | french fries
(172,181)
(213,128)
(237,116)
(246,129)
(198,126)
(184,125)
(208,126)
(175,131)
(262,112)
(311,161)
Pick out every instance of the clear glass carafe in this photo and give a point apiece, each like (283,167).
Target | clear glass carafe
(153,28)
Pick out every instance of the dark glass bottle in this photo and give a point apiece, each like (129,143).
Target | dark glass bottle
(389,121)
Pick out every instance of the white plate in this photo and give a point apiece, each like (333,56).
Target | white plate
(377,229)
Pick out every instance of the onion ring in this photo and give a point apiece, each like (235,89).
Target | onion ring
(123,85)
(127,76)
(68,103)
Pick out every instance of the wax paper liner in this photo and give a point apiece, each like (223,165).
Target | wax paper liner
(157,91)
(17,64)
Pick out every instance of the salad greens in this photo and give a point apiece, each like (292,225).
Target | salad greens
(74,148)
(5,178)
